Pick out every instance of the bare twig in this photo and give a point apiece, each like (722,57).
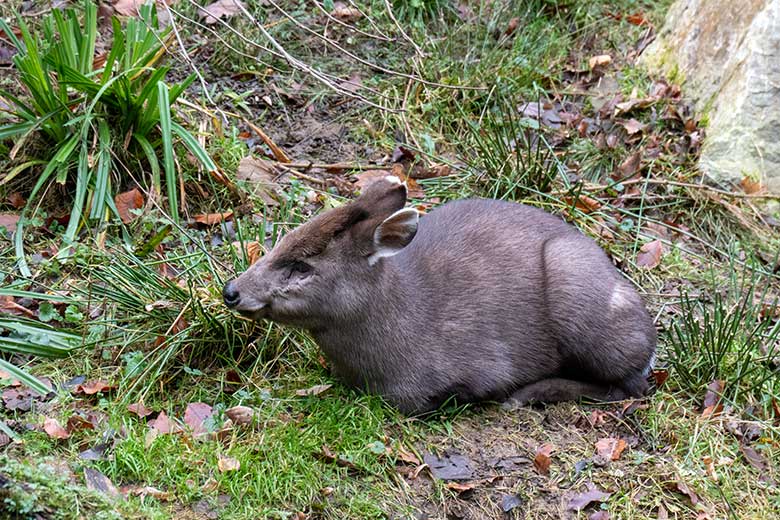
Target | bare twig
(278,152)
(406,37)
(362,61)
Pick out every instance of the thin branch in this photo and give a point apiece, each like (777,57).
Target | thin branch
(362,61)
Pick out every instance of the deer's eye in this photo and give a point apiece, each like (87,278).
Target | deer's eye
(299,269)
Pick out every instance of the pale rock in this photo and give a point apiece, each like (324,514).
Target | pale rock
(728,55)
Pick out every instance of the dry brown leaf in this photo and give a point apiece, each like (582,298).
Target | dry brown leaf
(212,219)
(93,387)
(461,487)
(163,424)
(542,459)
(583,203)
(54,429)
(629,167)
(260,175)
(96,481)
(226,464)
(220,9)
(637,19)
(757,461)
(660,376)
(9,221)
(750,185)
(314,390)
(77,423)
(681,487)
(240,415)
(130,7)
(9,305)
(602,60)
(633,126)
(127,201)
(147,491)
(512,26)
(406,456)
(196,415)
(582,500)
(650,254)
(712,404)
(139,409)
(251,250)
(345,13)
(610,448)
(16,200)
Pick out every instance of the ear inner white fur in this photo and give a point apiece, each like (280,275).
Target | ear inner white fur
(394,233)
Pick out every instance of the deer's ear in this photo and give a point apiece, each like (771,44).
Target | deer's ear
(394,233)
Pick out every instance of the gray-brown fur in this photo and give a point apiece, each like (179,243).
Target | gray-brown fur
(487,300)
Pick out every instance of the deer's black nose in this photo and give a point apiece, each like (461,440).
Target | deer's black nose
(230,294)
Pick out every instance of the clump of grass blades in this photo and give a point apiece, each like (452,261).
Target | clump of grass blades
(171,321)
(117,115)
(729,339)
(512,156)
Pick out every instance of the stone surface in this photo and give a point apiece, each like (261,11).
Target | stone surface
(728,55)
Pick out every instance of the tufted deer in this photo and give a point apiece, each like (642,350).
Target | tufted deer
(478,300)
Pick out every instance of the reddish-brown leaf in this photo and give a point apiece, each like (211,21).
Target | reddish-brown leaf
(512,26)
(251,250)
(610,448)
(9,221)
(750,185)
(543,459)
(195,417)
(93,387)
(650,254)
(163,424)
(211,219)
(712,404)
(127,201)
(139,409)
(637,19)
(54,429)
(660,375)
(220,9)
(9,305)
(77,423)
(583,203)
(16,200)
